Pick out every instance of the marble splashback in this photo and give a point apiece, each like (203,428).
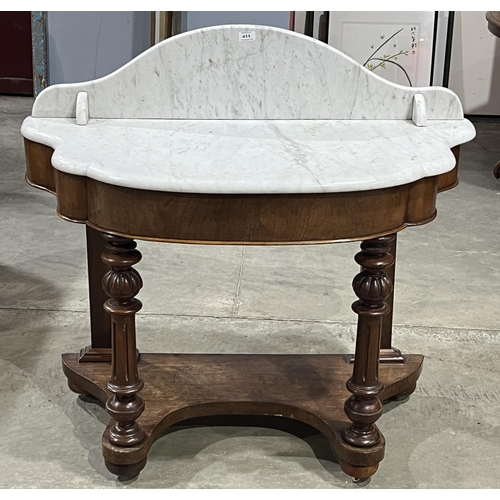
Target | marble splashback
(245,72)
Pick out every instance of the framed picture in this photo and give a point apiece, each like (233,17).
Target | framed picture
(397,46)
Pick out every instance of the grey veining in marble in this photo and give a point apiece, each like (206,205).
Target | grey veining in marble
(251,156)
(248,109)
(214,73)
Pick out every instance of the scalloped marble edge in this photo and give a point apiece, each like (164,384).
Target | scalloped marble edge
(188,76)
(235,157)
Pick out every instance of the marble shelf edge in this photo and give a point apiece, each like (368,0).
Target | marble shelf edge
(233,157)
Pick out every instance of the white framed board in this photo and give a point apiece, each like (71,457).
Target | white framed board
(397,46)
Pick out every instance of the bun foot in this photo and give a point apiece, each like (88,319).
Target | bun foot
(496,170)
(77,390)
(405,394)
(358,474)
(126,471)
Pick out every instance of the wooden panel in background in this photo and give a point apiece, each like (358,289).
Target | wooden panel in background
(16,66)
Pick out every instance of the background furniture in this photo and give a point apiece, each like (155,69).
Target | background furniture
(493,19)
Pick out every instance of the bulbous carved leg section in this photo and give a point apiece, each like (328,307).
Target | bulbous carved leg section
(372,286)
(122,283)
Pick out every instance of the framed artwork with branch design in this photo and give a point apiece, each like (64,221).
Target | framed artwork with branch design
(397,46)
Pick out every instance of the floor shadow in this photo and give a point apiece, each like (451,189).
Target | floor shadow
(23,336)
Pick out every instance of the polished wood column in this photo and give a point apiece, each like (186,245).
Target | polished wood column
(372,286)
(122,283)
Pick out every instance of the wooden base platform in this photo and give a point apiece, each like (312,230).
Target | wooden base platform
(309,388)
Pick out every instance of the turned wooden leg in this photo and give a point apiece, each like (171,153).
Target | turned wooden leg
(122,283)
(372,286)
(389,354)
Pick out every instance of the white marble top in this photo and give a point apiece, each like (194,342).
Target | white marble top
(248,109)
(251,156)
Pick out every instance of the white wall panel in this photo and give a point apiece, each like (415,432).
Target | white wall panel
(475,64)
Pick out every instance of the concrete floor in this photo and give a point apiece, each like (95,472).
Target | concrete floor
(254,300)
